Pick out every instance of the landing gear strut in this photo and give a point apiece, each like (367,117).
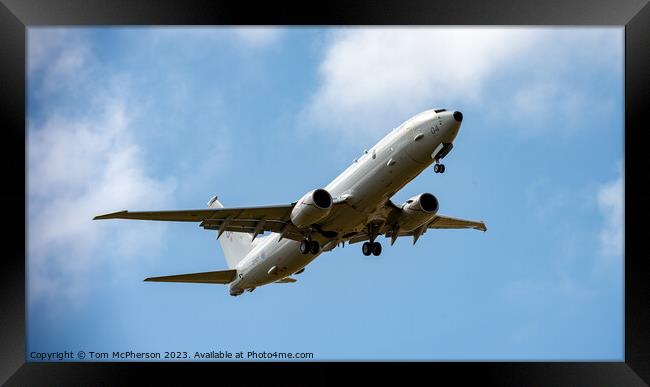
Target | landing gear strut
(373,248)
(307,247)
(439,168)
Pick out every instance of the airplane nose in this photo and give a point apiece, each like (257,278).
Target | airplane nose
(458,116)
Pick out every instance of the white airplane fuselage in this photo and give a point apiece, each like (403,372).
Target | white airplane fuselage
(366,185)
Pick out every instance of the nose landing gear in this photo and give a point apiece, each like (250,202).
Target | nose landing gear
(373,248)
(440,152)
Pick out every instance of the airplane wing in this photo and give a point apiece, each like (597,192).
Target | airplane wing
(438,221)
(243,219)
(274,212)
(441,221)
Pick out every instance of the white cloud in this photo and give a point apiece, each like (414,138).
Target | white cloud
(374,77)
(40,46)
(537,99)
(79,166)
(253,37)
(61,54)
(258,36)
(610,203)
(78,169)
(555,65)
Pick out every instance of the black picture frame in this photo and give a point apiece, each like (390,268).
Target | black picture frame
(17,15)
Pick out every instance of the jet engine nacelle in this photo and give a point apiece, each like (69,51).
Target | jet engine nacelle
(417,211)
(311,208)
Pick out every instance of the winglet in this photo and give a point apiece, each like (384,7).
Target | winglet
(112,215)
(481,227)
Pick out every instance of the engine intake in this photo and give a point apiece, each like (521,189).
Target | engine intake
(322,198)
(312,207)
(428,203)
(417,211)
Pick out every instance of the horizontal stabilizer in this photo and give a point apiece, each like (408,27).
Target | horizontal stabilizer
(112,215)
(209,277)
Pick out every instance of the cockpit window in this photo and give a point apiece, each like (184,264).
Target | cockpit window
(440,110)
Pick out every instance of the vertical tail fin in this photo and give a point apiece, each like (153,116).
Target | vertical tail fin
(235,245)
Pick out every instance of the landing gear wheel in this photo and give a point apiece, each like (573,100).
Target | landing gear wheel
(442,168)
(366,248)
(305,246)
(376,248)
(314,247)
(436,168)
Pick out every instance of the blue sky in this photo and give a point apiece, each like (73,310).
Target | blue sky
(165,118)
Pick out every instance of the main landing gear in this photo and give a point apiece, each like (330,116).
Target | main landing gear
(373,248)
(439,168)
(307,246)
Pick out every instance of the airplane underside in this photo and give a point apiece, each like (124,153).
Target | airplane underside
(355,207)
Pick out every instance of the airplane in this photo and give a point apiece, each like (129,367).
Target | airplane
(355,207)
